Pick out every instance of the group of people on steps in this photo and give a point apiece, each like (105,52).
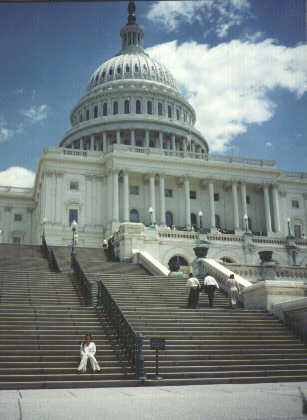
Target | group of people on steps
(210,285)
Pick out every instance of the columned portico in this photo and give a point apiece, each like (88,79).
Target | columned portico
(276,209)
(267,210)
(187,202)
(126,196)
(152,201)
(162,200)
(244,205)
(115,196)
(235,206)
(211,203)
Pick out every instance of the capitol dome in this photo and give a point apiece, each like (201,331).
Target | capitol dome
(132,66)
(131,62)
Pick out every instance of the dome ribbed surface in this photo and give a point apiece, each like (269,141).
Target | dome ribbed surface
(132,66)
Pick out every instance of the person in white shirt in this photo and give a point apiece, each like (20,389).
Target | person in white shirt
(233,289)
(192,288)
(210,286)
(87,352)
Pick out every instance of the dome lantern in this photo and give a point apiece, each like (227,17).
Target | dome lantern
(132,33)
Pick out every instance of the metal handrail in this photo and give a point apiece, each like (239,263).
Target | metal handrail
(296,327)
(85,284)
(49,254)
(130,341)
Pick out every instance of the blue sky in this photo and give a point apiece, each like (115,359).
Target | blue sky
(241,63)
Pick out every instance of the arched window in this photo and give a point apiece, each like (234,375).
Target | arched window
(136,68)
(95,111)
(228,260)
(178,114)
(194,220)
(169,218)
(87,115)
(145,68)
(169,111)
(105,109)
(134,216)
(110,71)
(103,74)
(249,223)
(127,106)
(217,220)
(138,107)
(160,112)
(149,107)
(127,68)
(119,69)
(115,107)
(80,117)
(176,262)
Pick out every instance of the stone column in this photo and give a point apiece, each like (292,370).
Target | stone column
(146,138)
(92,142)
(117,137)
(104,141)
(126,196)
(132,138)
(115,196)
(212,207)
(152,201)
(160,139)
(244,206)
(187,201)
(235,206)
(276,208)
(162,200)
(173,142)
(184,144)
(267,210)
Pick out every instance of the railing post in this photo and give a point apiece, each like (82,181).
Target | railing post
(90,294)
(99,296)
(140,357)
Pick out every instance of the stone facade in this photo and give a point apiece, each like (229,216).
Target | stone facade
(133,156)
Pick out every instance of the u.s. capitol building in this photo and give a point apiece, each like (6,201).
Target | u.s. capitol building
(134,165)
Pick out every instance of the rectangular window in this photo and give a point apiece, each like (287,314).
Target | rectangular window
(73,215)
(74,186)
(248,200)
(17,217)
(295,204)
(16,240)
(134,190)
(216,197)
(168,193)
(193,195)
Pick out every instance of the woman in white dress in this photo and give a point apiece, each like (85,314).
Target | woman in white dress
(87,352)
(233,290)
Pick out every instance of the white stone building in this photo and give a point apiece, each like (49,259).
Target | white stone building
(133,159)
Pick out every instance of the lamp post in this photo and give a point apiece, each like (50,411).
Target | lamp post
(74,226)
(200,215)
(245,217)
(44,227)
(289,227)
(150,211)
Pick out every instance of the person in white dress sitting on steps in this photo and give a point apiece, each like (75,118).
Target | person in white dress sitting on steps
(87,352)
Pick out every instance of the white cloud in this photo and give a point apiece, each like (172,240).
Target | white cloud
(7,133)
(221,14)
(36,113)
(229,85)
(268,144)
(16,176)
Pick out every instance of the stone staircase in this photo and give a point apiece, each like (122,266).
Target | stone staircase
(205,345)
(42,321)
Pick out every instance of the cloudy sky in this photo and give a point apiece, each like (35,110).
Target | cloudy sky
(241,63)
